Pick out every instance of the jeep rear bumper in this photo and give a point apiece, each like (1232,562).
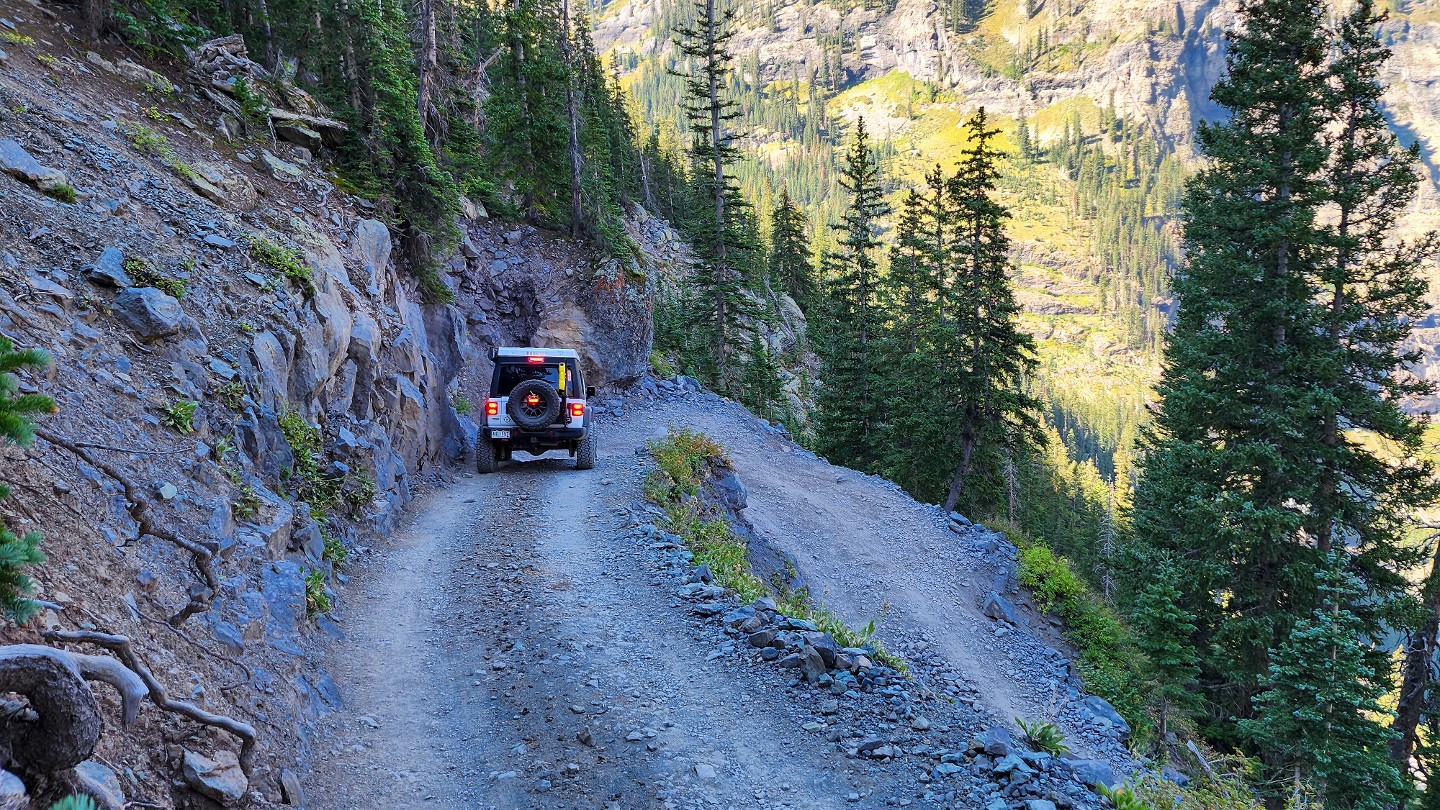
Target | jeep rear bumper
(554,437)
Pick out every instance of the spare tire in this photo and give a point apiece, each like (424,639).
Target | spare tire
(534,404)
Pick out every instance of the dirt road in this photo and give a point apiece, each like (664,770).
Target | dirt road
(516,646)
(512,617)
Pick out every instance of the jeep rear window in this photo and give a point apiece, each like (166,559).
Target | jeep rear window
(512,374)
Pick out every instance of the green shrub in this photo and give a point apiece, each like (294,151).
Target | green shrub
(12,38)
(62,192)
(144,273)
(254,108)
(1044,737)
(335,550)
(359,490)
(683,457)
(1049,577)
(148,140)
(231,394)
(247,502)
(1226,791)
(180,415)
(75,803)
(306,477)
(286,261)
(16,425)
(661,365)
(1110,663)
(461,404)
(317,601)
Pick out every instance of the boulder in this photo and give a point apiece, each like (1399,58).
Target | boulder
(281,170)
(1091,772)
(297,133)
(148,312)
(109,269)
(999,608)
(372,248)
(102,784)
(21,165)
(12,792)
(812,665)
(738,616)
(762,638)
(1100,709)
(219,778)
(825,644)
(290,790)
(995,741)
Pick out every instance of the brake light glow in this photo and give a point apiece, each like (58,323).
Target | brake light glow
(534,359)
(492,407)
(577,409)
(532,399)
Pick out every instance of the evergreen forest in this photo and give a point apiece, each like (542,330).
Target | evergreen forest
(1226,512)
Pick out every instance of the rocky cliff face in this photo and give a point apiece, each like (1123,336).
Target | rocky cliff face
(223,439)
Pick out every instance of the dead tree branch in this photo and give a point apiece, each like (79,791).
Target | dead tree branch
(120,646)
(200,596)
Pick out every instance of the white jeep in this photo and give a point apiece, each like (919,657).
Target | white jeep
(537,402)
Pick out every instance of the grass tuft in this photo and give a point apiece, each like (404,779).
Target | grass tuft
(144,273)
(684,458)
(286,261)
(63,192)
(180,415)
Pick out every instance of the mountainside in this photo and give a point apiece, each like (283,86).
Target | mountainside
(249,384)
(1109,93)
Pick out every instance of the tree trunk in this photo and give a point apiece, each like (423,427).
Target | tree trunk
(94,14)
(69,724)
(717,136)
(427,64)
(577,210)
(1411,702)
(957,483)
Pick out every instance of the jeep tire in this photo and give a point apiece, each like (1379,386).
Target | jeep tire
(487,456)
(585,452)
(544,413)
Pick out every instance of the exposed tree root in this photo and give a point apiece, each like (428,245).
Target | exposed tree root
(200,595)
(120,646)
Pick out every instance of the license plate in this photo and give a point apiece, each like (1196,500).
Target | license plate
(499,434)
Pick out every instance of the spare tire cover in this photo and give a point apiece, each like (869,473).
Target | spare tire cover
(542,412)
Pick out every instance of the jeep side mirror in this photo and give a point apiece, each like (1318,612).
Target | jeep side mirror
(589,392)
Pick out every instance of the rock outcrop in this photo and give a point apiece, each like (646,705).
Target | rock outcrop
(276,386)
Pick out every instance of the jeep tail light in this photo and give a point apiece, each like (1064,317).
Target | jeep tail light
(492,407)
(577,409)
(532,399)
(534,359)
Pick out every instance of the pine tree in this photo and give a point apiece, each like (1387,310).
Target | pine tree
(1321,700)
(528,127)
(1164,629)
(760,387)
(849,425)
(718,223)
(920,263)
(991,357)
(1287,341)
(1220,468)
(17,426)
(790,265)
